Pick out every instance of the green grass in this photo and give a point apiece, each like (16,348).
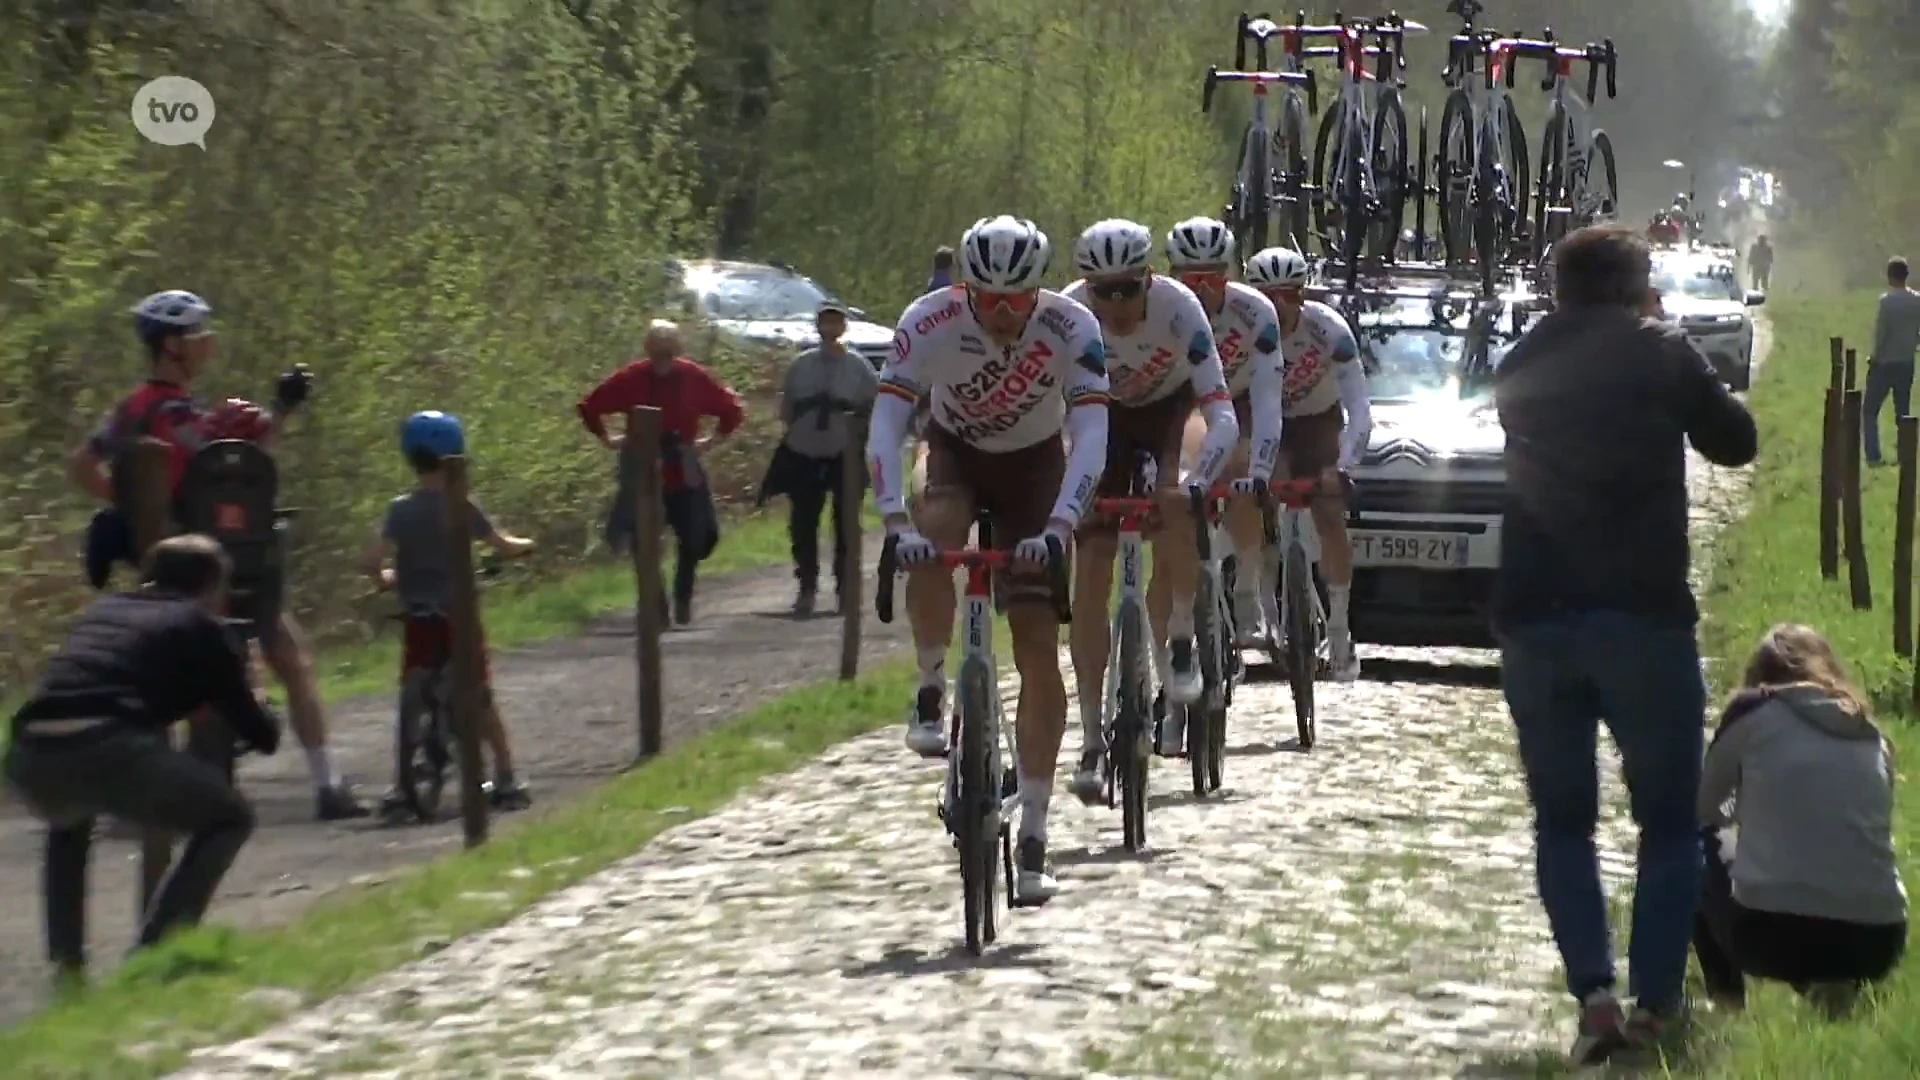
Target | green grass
(1767,571)
(217,984)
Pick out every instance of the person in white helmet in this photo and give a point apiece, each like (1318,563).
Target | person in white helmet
(1247,331)
(1328,421)
(1013,373)
(1163,364)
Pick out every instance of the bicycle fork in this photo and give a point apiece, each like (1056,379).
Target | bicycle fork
(977,655)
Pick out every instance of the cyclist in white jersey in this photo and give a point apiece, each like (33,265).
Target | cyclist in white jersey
(1162,364)
(1328,422)
(1007,367)
(1247,330)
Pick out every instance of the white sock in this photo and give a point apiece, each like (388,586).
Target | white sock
(933,667)
(1337,597)
(1034,797)
(1162,662)
(325,773)
(1091,733)
(1180,619)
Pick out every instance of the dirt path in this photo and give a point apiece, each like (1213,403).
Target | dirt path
(570,705)
(1366,909)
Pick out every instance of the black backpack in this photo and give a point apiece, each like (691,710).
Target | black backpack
(228,493)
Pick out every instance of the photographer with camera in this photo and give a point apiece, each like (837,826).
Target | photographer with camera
(685,393)
(173,327)
(92,740)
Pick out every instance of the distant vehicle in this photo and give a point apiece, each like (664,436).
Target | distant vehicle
(1701,293)
(757,306)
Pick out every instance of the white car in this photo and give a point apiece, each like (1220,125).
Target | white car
(1703,296)
(1430,491)
(760,306)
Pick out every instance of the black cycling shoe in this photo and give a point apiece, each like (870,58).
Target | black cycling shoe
(338,803)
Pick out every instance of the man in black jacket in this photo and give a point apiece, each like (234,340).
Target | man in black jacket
(1595,614)
(92,740)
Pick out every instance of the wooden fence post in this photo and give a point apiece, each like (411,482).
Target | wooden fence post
(641,450)
(469,696)
(1853,539)
(149,494)
(853,491)
(1832,465)
(1909,434)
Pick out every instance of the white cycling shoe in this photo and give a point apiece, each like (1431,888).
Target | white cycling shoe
(1183,673)
(1250,627)
(1032,885)
(1089,782)
(1342,657)
(926,727)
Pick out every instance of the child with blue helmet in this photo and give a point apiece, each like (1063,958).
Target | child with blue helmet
(413,540)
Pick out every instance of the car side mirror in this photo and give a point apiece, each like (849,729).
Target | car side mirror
(1755,297)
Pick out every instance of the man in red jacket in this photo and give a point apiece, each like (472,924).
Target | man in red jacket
(685,393)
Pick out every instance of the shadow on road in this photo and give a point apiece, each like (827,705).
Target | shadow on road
(1421,672)
(1265,749)
(909,963)
(1105,856)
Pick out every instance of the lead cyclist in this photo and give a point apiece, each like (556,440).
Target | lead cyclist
(1247,331)
(1007,368)
(1328,420)
(1163,366)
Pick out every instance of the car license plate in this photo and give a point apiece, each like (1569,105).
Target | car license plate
(1439,551)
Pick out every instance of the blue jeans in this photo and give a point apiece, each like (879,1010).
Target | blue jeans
(1562,677)
(1884,379)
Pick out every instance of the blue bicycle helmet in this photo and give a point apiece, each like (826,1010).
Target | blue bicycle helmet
(432,432)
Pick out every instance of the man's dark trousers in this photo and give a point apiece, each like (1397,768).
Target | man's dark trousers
(1563,676)
(133,775)
(1884,379)
(809,495)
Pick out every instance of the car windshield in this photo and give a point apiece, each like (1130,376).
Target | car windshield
(1409,363)
(1694,286)
(756,295)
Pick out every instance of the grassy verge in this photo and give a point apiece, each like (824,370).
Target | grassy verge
(1767,571)
(217,984)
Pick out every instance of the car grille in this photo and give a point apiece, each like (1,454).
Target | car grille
(1481,497)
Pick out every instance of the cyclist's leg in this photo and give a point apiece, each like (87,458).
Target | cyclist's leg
(1176,565)
(285,648)
(1023,489)
(1243,526)
(1321,451)
(1090,636)
(942,509)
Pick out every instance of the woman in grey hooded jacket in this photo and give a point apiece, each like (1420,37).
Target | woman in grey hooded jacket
(1806,889)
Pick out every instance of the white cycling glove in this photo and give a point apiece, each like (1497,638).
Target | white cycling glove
(912,549)
(1034,549)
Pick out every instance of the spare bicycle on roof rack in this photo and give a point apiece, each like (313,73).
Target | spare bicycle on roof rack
(1569,195)
(1272,181)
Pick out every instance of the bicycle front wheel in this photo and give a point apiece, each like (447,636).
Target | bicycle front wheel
(1303,653)
(1454,172)
(1329,159)
(425,747)
(1293,181)
(1600,201)
(977,833)
(1553,190)
(1130,726)
(1259,192)
(1390,175)
(1206,642)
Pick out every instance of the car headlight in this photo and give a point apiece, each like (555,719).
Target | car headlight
(1713,322)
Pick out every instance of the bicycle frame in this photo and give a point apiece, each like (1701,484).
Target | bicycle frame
(1132,603)
(1296,526)
(976,650)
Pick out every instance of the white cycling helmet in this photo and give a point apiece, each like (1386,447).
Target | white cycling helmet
(165,314)
(1200,241)
(1276,268)
(1006,254)
(1114,246)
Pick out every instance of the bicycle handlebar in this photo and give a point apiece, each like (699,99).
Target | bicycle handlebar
(1598,58)
(1197,500)
(1291,78)
(1058,593)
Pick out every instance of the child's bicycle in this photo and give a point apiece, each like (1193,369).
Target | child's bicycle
(977,798)
(426,743)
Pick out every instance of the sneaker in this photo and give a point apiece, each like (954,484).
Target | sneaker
(1183,673)
(1343,660)
(926,731)
(509,795)
(1603,1029)
(338,803)
(803,604)
(682,611)
(394,808)
(1089,781)
(1249,630)
(1032,885)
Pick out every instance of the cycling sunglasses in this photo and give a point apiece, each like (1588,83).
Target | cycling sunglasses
(1203,279)
(1019,303)
(1116,290)
(1290,293)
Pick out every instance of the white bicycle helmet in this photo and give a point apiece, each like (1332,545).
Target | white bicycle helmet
(164,314)
(1006,254)
(1200,241)
(1276,268)
(1114,246)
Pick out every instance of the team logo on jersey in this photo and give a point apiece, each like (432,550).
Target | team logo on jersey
(946,314)
(1057,323)
(972,345)
(1001,393)
(902,344)
(1138,382)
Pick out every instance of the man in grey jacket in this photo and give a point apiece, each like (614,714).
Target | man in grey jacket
(1896,335)
(828,388)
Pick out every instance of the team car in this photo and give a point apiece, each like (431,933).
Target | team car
(1701,293)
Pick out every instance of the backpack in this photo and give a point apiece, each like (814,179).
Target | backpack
(228,493)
